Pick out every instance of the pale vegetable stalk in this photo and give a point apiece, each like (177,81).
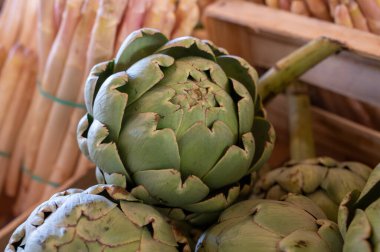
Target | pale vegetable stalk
(50,80)
(100,49)
(299,7)
(357,17)
(3,56)
(319,9)
(9,77)
(342,16)
(59,8)
(27,36)
(46,32)
(17,112)
(285,4)
(370,9)
(161,16)
(12,26)
(187,16)
(332,5)
(272,3)
(133,19)
(69,86)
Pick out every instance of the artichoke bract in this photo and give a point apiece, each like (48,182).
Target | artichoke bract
(359,217)
(323,180)
(179,123)
(260,225)
(101,218)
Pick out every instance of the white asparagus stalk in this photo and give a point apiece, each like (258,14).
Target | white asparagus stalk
(12,27)
(284,4)
(299,7)
(9,77)
(370,9)
(187,16)
(99,50)
(133,19)
(342,16)
(50,80)
(59,8)
(27,36)
(46,32)
(83,165)
(319,9)
(374,26)
(332,5)
(357,17)
(3,56)
(17,111)
(273,4)
(161,16)
(69,86)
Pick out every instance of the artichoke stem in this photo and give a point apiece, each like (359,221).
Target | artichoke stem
(276,79)
(300,122)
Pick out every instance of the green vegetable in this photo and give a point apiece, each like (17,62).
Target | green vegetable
(101,218)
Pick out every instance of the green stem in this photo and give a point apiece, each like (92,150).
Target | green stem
(300,122)
(276,79)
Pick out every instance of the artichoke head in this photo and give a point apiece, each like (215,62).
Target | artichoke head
(101,218)
(262,225)
(323,180)
(359,217)
(178,123)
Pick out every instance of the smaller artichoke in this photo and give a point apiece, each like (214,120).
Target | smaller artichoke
(324,180)
(260,225)
(101,218)
(359,217)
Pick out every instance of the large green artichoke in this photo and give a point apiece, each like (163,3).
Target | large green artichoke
(323,180)
(261,225)
(101,218)
(359,217)
(179,123)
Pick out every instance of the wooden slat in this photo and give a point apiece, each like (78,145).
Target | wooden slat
(334,136)
(263,36)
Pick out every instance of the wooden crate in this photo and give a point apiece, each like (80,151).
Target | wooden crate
(263,36)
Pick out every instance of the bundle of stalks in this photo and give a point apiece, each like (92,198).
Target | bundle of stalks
(54,128)
(17,110)
(69,38)
(51,77)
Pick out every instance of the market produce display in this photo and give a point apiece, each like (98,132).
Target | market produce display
(49,48)
(294,224)
(358,217)
(175,130)
(101,218)
(359,14)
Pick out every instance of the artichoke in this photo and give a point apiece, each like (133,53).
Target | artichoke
(178,123)
(295,224)
(359,217)
(323,180)
(101,218)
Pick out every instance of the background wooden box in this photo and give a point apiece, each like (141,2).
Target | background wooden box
(263,36)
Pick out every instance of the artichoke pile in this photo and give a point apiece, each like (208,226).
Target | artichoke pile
(178,123)
(324,180)
(176,130)
(295,224)
(101,218)
(359,217)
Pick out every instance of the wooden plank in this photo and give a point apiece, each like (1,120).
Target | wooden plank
(83,182)
(334,136)
(263,36)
